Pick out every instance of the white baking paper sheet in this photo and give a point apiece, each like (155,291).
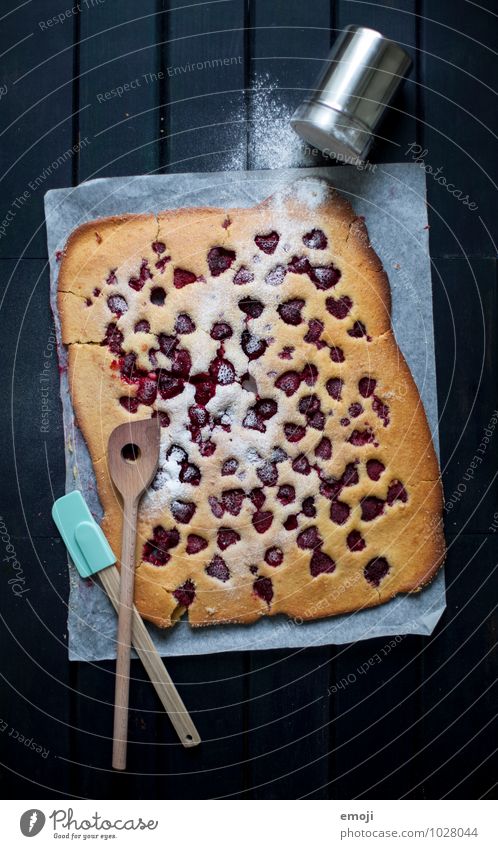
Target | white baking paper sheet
(392,199)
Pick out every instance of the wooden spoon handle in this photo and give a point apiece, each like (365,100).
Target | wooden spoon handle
(154,666)
(125,621)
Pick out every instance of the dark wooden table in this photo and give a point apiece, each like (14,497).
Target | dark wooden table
(418,724)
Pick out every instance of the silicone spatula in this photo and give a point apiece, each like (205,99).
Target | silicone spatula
(92,555)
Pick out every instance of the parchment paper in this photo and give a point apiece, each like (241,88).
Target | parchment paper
(392,199)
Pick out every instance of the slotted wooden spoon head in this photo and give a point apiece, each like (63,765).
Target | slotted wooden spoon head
(133,455)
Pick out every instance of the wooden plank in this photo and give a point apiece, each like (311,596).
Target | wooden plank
(459,691)
(288,740)
(35,721)
(465,307)
(460,125)
(395,19)
(375,694)
(288,710)
(120,79)
(116,51)
(35,120)
(213,688)
(288,46)
(204,61)
(30,360)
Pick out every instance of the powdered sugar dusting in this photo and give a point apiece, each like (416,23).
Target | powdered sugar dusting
(273,142)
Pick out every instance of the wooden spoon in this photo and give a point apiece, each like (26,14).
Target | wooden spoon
(133,455)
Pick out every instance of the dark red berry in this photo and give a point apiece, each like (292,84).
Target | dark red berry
(263,588)
(232,501)
(226,537)
(266,408)
(252,346)
(190,473)
(376,570)
(147,391)
(274,556)
(167,344)
(251,307)
(334,387)
(396,492)
(321,564)
(276,276)
(309,538)
(183,511)
(367,386)
(130,404)
(315,330)
(257,497)
(219,260)
(162,263)
(117,304)
(289,382)
(222,371)
(381,410)
(315,239)
(290,311)
(355,410)
(325,277)
(294,432)
(350,476)
(339,512)
(142,326)
(184,324)
(267,243)
(355,541)
(185,594)
(357,330)
(310,374)
(182,278)
(158,247)
(157,296)
(290,523)
(301,465)
(308,507)
(268,473)
(230,466)
(169,386)
(286,494)
(113,339)
(218,569)
(195,544)
(371,508)
(324,449)
(374,469)
(262,520)
(242,276)
(361,437)
(340,308)
(217,508)
(336,354)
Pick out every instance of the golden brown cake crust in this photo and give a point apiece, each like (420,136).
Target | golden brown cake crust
(297,470)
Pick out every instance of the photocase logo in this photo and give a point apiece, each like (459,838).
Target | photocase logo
(32,822)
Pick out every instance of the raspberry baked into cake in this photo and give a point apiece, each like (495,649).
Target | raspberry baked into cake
(297,472)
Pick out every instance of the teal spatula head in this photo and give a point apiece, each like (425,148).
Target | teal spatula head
(85,541)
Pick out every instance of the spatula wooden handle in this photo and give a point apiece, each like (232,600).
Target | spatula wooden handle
(125,622)
(154,666)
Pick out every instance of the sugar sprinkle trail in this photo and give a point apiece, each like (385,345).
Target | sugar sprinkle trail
(274,144)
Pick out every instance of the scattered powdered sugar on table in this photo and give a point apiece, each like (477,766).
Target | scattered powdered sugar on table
(272,141)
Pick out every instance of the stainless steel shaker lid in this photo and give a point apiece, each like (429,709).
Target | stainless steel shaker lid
(362,73)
